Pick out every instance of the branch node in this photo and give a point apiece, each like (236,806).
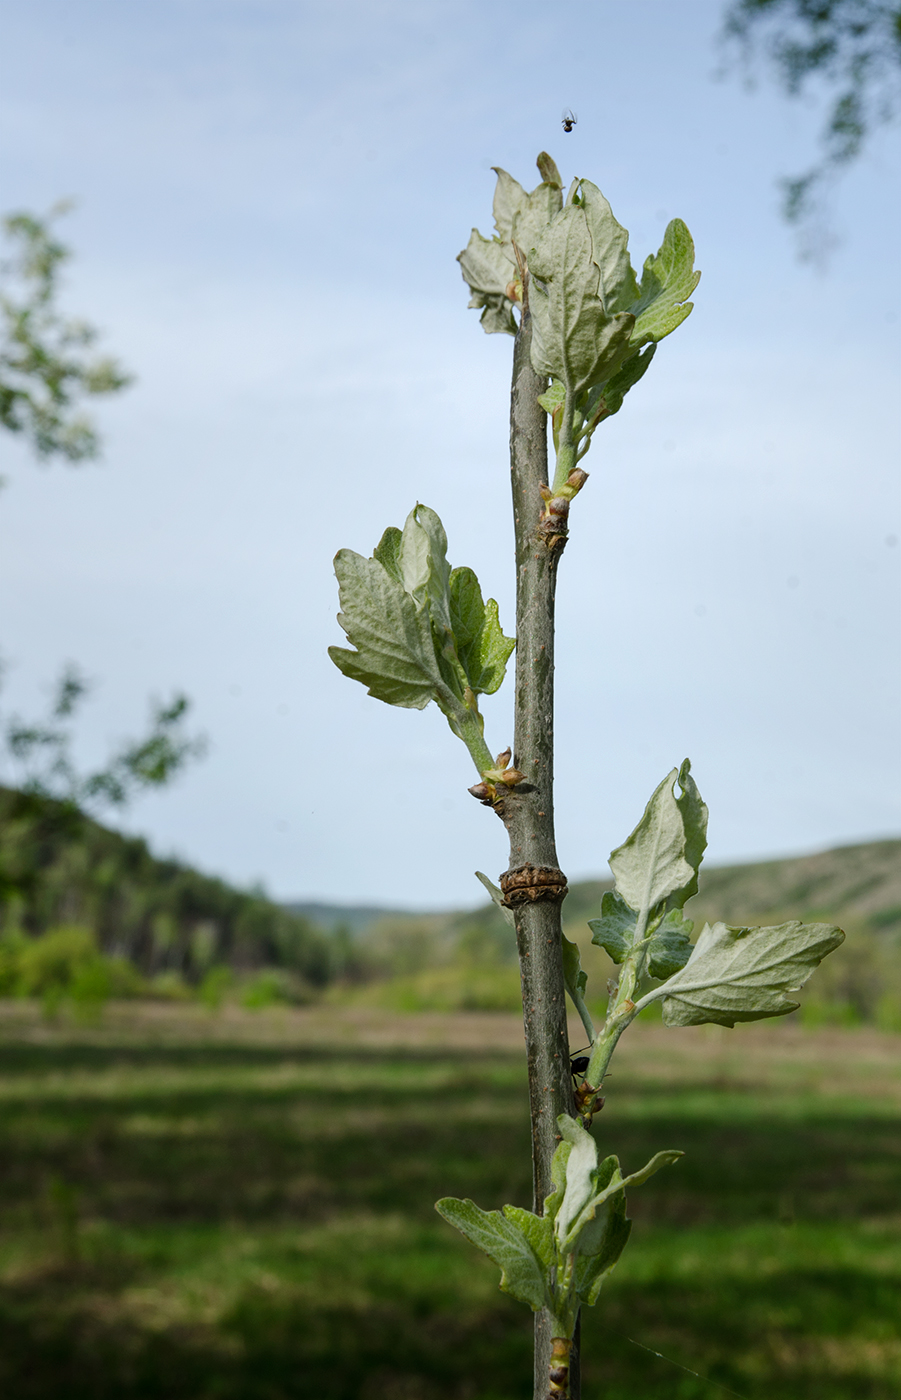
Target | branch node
(529,884)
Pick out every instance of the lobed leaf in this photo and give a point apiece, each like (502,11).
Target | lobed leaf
(422,558)
(538,1230)
(626,377)
(587,1216)
(534,215)
(581,1173)
(615,929)
(553,1201)
(387,552)
(591,1238)
(574,338)
(488,266)
(618,285)
(481,646)
(670,947)
(421,630)
(548,171)
(503,1240)
(660,859)
(591,1270)
(603,1237)
(743,974)
(395,657)
(509,198)
(667,282)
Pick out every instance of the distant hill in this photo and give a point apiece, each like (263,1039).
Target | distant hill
(355,918)
(59,867)
(859,883)
(466,960)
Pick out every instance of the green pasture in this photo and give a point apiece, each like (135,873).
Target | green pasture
(239,1207)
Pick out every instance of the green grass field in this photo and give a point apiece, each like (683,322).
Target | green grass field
(177,1190)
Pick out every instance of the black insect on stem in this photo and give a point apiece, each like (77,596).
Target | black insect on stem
(569,119)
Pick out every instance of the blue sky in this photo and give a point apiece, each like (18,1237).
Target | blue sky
(271,197)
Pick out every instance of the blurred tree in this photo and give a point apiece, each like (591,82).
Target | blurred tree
(44,361)
(42,752)
(853,47)
(44,367)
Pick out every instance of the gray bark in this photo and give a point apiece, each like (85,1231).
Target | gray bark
(529,807)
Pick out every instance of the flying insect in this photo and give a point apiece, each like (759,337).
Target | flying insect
(569,119)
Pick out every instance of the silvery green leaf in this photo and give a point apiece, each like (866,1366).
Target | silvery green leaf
(387,552)
(602,1241)
(660,859)
(694,820)
(509,198)
(395,656)
(553,1201)
(625,378)
(576,981)
(534,215)
(498,898)
(497,317)
(573,337)
(548,170)
(481,646)
(591,1270)
(519,217)
(522,1273)
(601,1194)
(659,1159)
(743,974)
(618,285)
(423,563)
(554,398)
(615,929)
(591,1238)
(581,1169)
(488,267)
(667,282)
(538,1231)
(670,946)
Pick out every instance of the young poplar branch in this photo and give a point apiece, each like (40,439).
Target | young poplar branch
(529,808)
(422,632)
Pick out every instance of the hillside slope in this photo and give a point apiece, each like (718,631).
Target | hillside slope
(860,884)
(857,884)
(59,867)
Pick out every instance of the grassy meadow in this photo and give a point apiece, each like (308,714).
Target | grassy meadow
(238,1206)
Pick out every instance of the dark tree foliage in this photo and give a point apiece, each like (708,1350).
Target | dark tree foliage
(44,369)
(42,753)
(45,360)
(852,47)
(58,866)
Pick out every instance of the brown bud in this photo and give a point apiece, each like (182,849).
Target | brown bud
(559,506)
(544,493)
(503,759)
(576,479)
(511,777)
(480,792)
